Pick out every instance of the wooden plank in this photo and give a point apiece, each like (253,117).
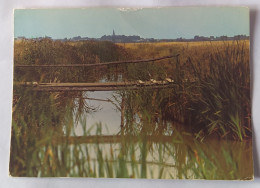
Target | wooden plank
(90,84)
(96,84)
(99,64)
(108,88)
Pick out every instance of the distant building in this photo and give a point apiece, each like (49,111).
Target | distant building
(196,37)
(241,37)
(120,38)
(223,37)
(76,38)
(47,37)
(113,36)
(201,38)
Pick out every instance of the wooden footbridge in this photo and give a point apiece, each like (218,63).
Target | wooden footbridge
(107,86)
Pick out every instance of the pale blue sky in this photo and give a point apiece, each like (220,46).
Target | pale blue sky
(157,23)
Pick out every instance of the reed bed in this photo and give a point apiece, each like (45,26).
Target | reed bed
(207,114)
(213,92)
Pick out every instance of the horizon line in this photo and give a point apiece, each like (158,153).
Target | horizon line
(46,36)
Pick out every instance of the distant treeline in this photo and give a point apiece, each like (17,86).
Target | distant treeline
(138,39)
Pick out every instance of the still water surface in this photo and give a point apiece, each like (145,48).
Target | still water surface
(184,157)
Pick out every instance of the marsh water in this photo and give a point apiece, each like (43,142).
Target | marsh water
(198,129)
(181,157)
(132,148)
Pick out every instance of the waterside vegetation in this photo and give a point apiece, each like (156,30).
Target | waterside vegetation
(205,115)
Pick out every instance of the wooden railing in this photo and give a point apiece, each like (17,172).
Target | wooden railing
(98,64)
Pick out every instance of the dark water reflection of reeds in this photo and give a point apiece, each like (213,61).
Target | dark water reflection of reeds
(43,148)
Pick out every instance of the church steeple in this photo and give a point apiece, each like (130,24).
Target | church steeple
(113,36)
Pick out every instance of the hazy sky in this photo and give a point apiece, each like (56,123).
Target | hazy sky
(158,23)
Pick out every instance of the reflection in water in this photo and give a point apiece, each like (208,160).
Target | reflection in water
(96,146)
(107,114)
(139,133)
(181,159)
